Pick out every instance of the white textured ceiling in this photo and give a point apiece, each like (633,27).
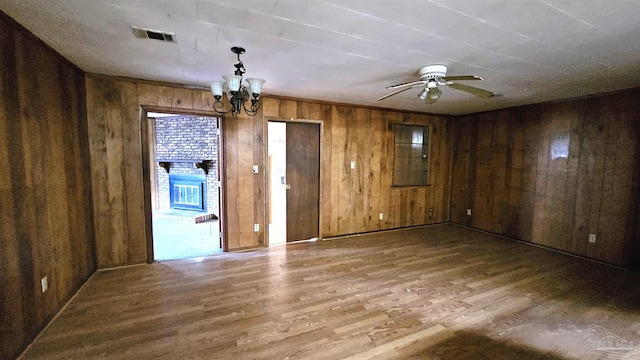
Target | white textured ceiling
(527,51)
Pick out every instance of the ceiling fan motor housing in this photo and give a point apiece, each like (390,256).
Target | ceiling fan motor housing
(432,72)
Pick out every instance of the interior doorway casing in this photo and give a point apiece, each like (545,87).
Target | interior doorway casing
(320,123)
(149,168)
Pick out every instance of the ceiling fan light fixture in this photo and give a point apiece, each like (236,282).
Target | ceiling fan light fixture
(423,94)
(435,93)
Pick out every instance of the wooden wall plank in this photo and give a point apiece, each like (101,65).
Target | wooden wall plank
(343,139)
(327,211)
(482,201)
(116,190)
(374,170)
(133,180)
(99,169)
(246,181)
(498,173)
(260,179)
(445,205)
(231,183)
(461,171)
(530,119)
(359,175)
(515,158)
(439,178)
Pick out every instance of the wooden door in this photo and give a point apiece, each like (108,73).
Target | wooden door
(303,180)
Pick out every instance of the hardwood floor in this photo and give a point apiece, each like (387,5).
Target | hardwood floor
(438,292)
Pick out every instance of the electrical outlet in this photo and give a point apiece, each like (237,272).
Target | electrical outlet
(381,216)
(256,227)
(468,212)
(592,238)
(255,169)
(44,283)
(353,165)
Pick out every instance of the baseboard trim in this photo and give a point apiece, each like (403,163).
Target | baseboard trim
(544,247)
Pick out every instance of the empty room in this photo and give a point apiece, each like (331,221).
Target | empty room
(319,179)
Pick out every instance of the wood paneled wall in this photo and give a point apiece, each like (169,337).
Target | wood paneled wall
(353,198)
(118,177)
(553,173)
(45,195)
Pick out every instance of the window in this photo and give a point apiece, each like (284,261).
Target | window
(411,155)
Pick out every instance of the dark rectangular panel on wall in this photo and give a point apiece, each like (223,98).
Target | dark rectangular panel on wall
(554,173)
(45,195)
(303,178)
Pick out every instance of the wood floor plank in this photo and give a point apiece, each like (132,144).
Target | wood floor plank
(436,292)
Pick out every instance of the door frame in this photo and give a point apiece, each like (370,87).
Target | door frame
(149,169)
(267,175)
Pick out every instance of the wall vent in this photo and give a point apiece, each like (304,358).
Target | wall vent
(141,33)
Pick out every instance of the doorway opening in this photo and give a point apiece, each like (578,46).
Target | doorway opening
(277,155)
(184,184)
(294,181)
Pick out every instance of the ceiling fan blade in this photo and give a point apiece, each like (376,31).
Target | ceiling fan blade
(412,84)
(461,77)
(472,90)
(399,91)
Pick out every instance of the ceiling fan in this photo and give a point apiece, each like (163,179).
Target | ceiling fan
(433,75)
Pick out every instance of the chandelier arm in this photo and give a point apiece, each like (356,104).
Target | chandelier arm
(219,104)
(253,109)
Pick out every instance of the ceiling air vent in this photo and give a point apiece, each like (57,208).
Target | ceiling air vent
(141,33)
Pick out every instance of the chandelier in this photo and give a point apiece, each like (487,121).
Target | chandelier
(237,93)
